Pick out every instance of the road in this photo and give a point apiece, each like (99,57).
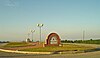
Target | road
(81,55)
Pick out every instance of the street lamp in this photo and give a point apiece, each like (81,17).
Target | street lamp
(40,25)
(32,31)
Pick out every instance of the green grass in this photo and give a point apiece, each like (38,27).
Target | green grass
(57,48)
(69,47)
(91,41)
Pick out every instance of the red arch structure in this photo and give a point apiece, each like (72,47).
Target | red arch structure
(49,39)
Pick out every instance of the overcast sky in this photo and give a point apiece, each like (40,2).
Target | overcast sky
(68,18)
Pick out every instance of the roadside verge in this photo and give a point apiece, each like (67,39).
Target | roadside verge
(24,52)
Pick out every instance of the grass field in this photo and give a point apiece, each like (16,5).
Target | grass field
(66,47)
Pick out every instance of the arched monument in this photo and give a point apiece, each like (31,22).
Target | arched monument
(53,39)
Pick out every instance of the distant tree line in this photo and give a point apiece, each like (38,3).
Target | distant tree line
(82,41)
(4,41)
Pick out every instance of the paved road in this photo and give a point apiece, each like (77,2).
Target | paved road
(81,55)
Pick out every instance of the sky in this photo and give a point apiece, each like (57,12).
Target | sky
(67,18)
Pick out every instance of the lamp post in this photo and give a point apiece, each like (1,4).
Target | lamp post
(40,26)
(32,31)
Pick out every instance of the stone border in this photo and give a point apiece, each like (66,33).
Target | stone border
(24,52)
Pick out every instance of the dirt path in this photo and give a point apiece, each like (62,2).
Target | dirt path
(36,45)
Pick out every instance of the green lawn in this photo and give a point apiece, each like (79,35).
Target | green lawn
(66,47)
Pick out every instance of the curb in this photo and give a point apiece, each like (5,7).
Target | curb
(24,52)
